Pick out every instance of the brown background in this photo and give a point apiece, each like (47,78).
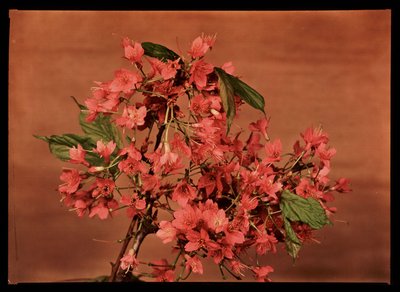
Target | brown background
(312,67)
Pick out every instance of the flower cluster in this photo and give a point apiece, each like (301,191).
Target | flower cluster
(158,146)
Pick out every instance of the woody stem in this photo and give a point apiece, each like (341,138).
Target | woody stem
(115,266)
(139,237)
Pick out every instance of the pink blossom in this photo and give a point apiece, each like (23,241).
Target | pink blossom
(82,206)
(103,187)
(216,221)
(268,186)
(325,154)
(77,155)
(132,117)
(136,205)
(260,126)
(228,68)
(105,151)
(233,236)
(201,45)
(241,221)
(186,218)
(162,271)
(170,160)
(199,105)
(131,151)
(72,180)
(102,209)
(253,144)
(167,232)
(133,50)
(129,261)
(198,240)
(183,193)
(342,185)
(220,252)
(261,273)
(150,182)
(207,181)
(124,81)
(248,203)
(193,264)
(199,72)
(305,189)
(101,101)
(169,69)
(273,151)
(237,267)
(179,144)
(314,137)
(131,166)
(265,242)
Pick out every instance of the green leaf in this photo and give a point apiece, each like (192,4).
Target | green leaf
(248,94)
(100,129)
(241,89)
(60,145)
(296,208)
(293,244)
(227,96)
(158,51)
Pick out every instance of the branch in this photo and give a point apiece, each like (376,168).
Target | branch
(115,266)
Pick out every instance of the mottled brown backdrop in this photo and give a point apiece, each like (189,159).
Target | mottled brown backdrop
(312,67)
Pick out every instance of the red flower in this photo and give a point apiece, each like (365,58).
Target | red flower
(125,81)
(233,236)
(198,240)
(342,185)
(72,180)
(261,273)
(193,264)
(260,126)
(314,137)
(132,117)
(103,187)
(216,220)
(183,193)
(228,68)
(102,101)
(131,166)
(325,154)
(273,151)
(199,72)
(208,182)
(167,232)
(133,51)
(162,271)
(201,45)
(77,155)
(105,151)
(237,267)
(306,189)
(268,186)
(186,218)
(179,144)
(265,242)
(102,209)
(131,151)
(129,261)
(136,205)
(169,69)
(200,105)
(150,182)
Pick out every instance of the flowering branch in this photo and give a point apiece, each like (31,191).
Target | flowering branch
(219,195)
